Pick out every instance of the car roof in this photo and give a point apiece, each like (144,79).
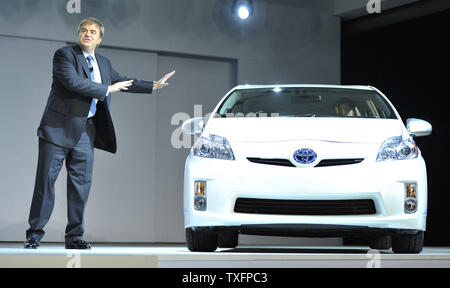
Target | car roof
(248,86)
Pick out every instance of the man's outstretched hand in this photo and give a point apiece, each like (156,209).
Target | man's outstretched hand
(119,86)
(162,82)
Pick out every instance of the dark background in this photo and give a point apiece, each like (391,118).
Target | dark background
(409,63)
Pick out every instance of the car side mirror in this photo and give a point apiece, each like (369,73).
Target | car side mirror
(193,126)
(418,127)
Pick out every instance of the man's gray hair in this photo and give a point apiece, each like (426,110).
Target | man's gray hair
(94,21)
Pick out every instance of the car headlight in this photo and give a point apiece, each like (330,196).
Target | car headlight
(397,148)
(213,146)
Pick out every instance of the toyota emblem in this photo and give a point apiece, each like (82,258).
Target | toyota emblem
(305,156)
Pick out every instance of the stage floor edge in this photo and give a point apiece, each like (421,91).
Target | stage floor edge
(54,255)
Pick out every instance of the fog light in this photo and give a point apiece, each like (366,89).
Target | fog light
(410,190)
(200,195)
(200,187)
(410,198)
(410,205)
(200,203)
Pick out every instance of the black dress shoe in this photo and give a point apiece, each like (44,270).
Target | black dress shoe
(31,244)
(78,244)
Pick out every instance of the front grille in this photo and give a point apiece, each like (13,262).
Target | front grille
(304,207)
(323,163)
(277,162)
(338,162)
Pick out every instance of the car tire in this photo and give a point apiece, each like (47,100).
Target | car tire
(201,241)
(228,239)
(408,243)
(381,242)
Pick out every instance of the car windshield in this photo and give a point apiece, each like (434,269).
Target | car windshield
(305,102)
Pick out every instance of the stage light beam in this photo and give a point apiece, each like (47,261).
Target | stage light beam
(242,8)
(243,12)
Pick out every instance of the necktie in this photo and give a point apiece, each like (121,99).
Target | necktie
(93,108)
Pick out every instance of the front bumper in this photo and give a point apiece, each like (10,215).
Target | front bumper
(305,230)
(382,182)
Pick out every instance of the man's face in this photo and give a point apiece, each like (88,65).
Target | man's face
(345,110)
(89,37)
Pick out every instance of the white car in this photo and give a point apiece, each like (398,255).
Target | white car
(308,161)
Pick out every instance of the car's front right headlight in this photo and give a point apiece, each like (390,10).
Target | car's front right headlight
(213,146)
(397,148)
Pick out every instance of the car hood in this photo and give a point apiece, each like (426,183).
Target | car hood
(351,130)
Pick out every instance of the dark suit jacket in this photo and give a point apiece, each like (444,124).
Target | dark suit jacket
(70,98)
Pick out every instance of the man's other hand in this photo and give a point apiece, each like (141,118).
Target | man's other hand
(162,82)
(119,86)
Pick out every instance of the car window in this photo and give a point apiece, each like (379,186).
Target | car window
(306,102)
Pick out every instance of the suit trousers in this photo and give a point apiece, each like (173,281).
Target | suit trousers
(79,164)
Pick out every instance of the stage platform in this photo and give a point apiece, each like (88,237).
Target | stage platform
(53,255)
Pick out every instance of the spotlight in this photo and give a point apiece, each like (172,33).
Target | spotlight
(242,8)
(243,12)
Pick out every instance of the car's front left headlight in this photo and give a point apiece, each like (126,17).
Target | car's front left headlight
(397,148)
(213,146)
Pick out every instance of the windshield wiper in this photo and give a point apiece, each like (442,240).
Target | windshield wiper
(299,115)
(308,115)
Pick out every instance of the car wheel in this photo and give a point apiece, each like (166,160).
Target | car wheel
(201,241)
(228,239)
(381,242)
(408,243)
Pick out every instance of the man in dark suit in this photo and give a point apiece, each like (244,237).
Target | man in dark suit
(76,120)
